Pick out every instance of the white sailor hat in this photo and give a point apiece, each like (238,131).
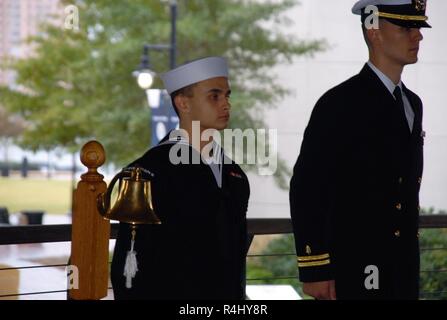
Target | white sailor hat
(193,72)
(405,13)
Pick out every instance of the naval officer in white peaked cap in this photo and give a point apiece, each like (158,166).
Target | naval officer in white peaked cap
(405,13)
(354,193)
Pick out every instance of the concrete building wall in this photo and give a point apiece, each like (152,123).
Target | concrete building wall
(309,78)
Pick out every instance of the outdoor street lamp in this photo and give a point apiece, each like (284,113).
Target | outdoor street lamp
(145,79)
(145,76)
(153,97)
(163,117)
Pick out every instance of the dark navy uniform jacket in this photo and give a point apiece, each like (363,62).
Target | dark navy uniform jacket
(199,249)
(354,193)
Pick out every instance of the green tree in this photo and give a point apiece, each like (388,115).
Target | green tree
(78,84)
(11,126)
(433,244)
(276,264)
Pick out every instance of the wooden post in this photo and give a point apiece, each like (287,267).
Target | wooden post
(90,231)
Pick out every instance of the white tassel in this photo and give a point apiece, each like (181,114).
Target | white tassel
(131,266)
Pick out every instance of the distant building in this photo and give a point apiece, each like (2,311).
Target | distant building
(19,19)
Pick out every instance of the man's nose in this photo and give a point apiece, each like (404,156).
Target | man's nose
(227,105)
(418,35)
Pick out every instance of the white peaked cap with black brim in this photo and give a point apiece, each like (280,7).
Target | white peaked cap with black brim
(405,13)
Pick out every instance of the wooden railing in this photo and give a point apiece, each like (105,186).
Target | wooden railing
(10,235)
(62,232)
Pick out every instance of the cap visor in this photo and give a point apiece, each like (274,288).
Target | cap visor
(409,23)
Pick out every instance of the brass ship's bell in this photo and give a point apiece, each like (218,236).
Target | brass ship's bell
(134,202)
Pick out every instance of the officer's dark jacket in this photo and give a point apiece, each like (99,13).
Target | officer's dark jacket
(199,250)
(354,193)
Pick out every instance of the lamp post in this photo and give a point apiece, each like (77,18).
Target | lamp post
(173,7)
(144,74)
(163,117)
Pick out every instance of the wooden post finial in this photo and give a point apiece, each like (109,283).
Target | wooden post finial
(90,231)
(92,156)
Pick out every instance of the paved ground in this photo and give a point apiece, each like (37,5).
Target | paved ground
(36,276)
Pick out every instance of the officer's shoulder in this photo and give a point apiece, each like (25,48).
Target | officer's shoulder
(338,99)
(343,90)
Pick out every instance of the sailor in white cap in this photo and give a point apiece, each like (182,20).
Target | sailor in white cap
(198,251)
(354,194)
(194,72)
(210,73)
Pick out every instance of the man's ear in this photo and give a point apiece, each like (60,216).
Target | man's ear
(181,102)
(374,35)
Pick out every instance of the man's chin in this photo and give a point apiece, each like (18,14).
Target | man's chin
(216,127)
(409,62)
(412,60)
(221,126)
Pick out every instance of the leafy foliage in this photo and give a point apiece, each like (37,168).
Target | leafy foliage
(78,85)
(276,264)
(433,244)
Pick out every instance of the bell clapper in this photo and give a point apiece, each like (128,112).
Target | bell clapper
(131,266)
(134,231)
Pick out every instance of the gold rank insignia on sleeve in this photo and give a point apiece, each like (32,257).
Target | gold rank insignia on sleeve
(313,260)
(308,251)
